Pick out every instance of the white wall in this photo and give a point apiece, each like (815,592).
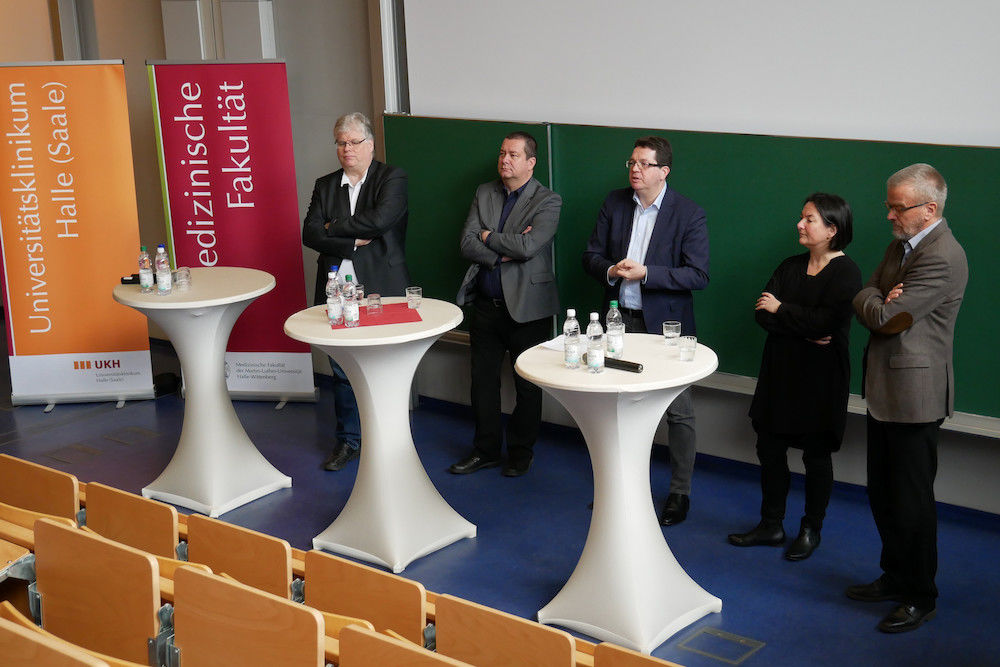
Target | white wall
(898,70)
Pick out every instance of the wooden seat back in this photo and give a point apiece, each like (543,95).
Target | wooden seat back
(389,601)
(17,525)
(488,637)
(20,647)
(612,655)
(139,522)
(10,614)
(96,593)
(360,647)
(218,621)
(250,557)
(38,488)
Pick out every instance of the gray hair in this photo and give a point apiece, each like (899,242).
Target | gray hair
(926,181)
(354,121)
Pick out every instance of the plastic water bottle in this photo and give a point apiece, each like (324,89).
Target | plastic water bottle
(616,332)
(334,303)
(145,271)
(571,340)
(352,309)
(595,345)
(164,281)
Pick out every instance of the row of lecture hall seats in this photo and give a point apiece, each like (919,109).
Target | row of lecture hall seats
(110,589)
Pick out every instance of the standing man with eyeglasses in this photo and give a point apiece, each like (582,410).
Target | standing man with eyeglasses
(650,251)
(910,305)
(511,286)
(357,221)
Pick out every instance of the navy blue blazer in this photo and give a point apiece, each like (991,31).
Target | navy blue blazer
(676,260)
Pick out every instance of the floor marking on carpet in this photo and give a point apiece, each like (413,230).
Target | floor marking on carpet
(720,645)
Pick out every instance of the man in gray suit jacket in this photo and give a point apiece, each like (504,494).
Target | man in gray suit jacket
(910,305)
(512,288)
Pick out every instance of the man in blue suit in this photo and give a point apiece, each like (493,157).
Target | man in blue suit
(650,250)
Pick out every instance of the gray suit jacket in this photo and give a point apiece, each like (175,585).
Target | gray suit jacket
(528,279)
(908,375)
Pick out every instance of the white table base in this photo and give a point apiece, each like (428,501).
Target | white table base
(216,466)
(627,586)
(394,514)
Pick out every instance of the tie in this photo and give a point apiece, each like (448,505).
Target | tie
(907,248)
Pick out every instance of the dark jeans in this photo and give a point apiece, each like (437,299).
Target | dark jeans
(902,464)
(775,478)
(492,333)
(348,418)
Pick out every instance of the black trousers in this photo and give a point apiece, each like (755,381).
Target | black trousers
(902,465)
(775,478)
(492,333)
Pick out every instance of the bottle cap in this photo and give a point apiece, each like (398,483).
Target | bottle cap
(570,312)
(614,304)
(593,316)
(348,278)
(334,267)
(142,248)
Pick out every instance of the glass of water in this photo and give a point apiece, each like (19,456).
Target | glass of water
(686,346)
(413,296)
(374,303)
(671,331)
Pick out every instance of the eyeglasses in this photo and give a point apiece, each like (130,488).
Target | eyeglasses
(355,142)
(643,165)
(899,209)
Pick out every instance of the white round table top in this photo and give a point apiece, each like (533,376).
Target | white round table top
(312,326)
(661,367)
(210,286)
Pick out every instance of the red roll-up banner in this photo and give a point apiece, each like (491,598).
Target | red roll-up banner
(224,135)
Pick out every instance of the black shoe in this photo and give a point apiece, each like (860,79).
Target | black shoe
(768,533)
(472,463)
(675,510)
(877,591)
(517,468)
(340,458)
(906,617)
(804,544)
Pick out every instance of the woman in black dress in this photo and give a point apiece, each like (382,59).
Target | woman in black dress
(801,396)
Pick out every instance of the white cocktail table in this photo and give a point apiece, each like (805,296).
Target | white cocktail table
(394,514)
(216,466)
(627,587)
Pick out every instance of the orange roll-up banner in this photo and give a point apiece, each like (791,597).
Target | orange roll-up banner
(69,233)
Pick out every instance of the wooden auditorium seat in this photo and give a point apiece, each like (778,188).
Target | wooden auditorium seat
(361,647)
(612,655)
(490,638)
(96,593)
(252,558)
(20,647)
(17,524)
(218,621)
(38,488)
(10,615)
(389,601)
(139,522)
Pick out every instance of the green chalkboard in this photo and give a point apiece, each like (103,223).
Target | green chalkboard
(752,188)
(446,160)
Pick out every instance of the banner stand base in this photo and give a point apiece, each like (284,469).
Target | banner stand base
(54,399)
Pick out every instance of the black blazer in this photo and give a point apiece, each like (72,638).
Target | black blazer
(380,215)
